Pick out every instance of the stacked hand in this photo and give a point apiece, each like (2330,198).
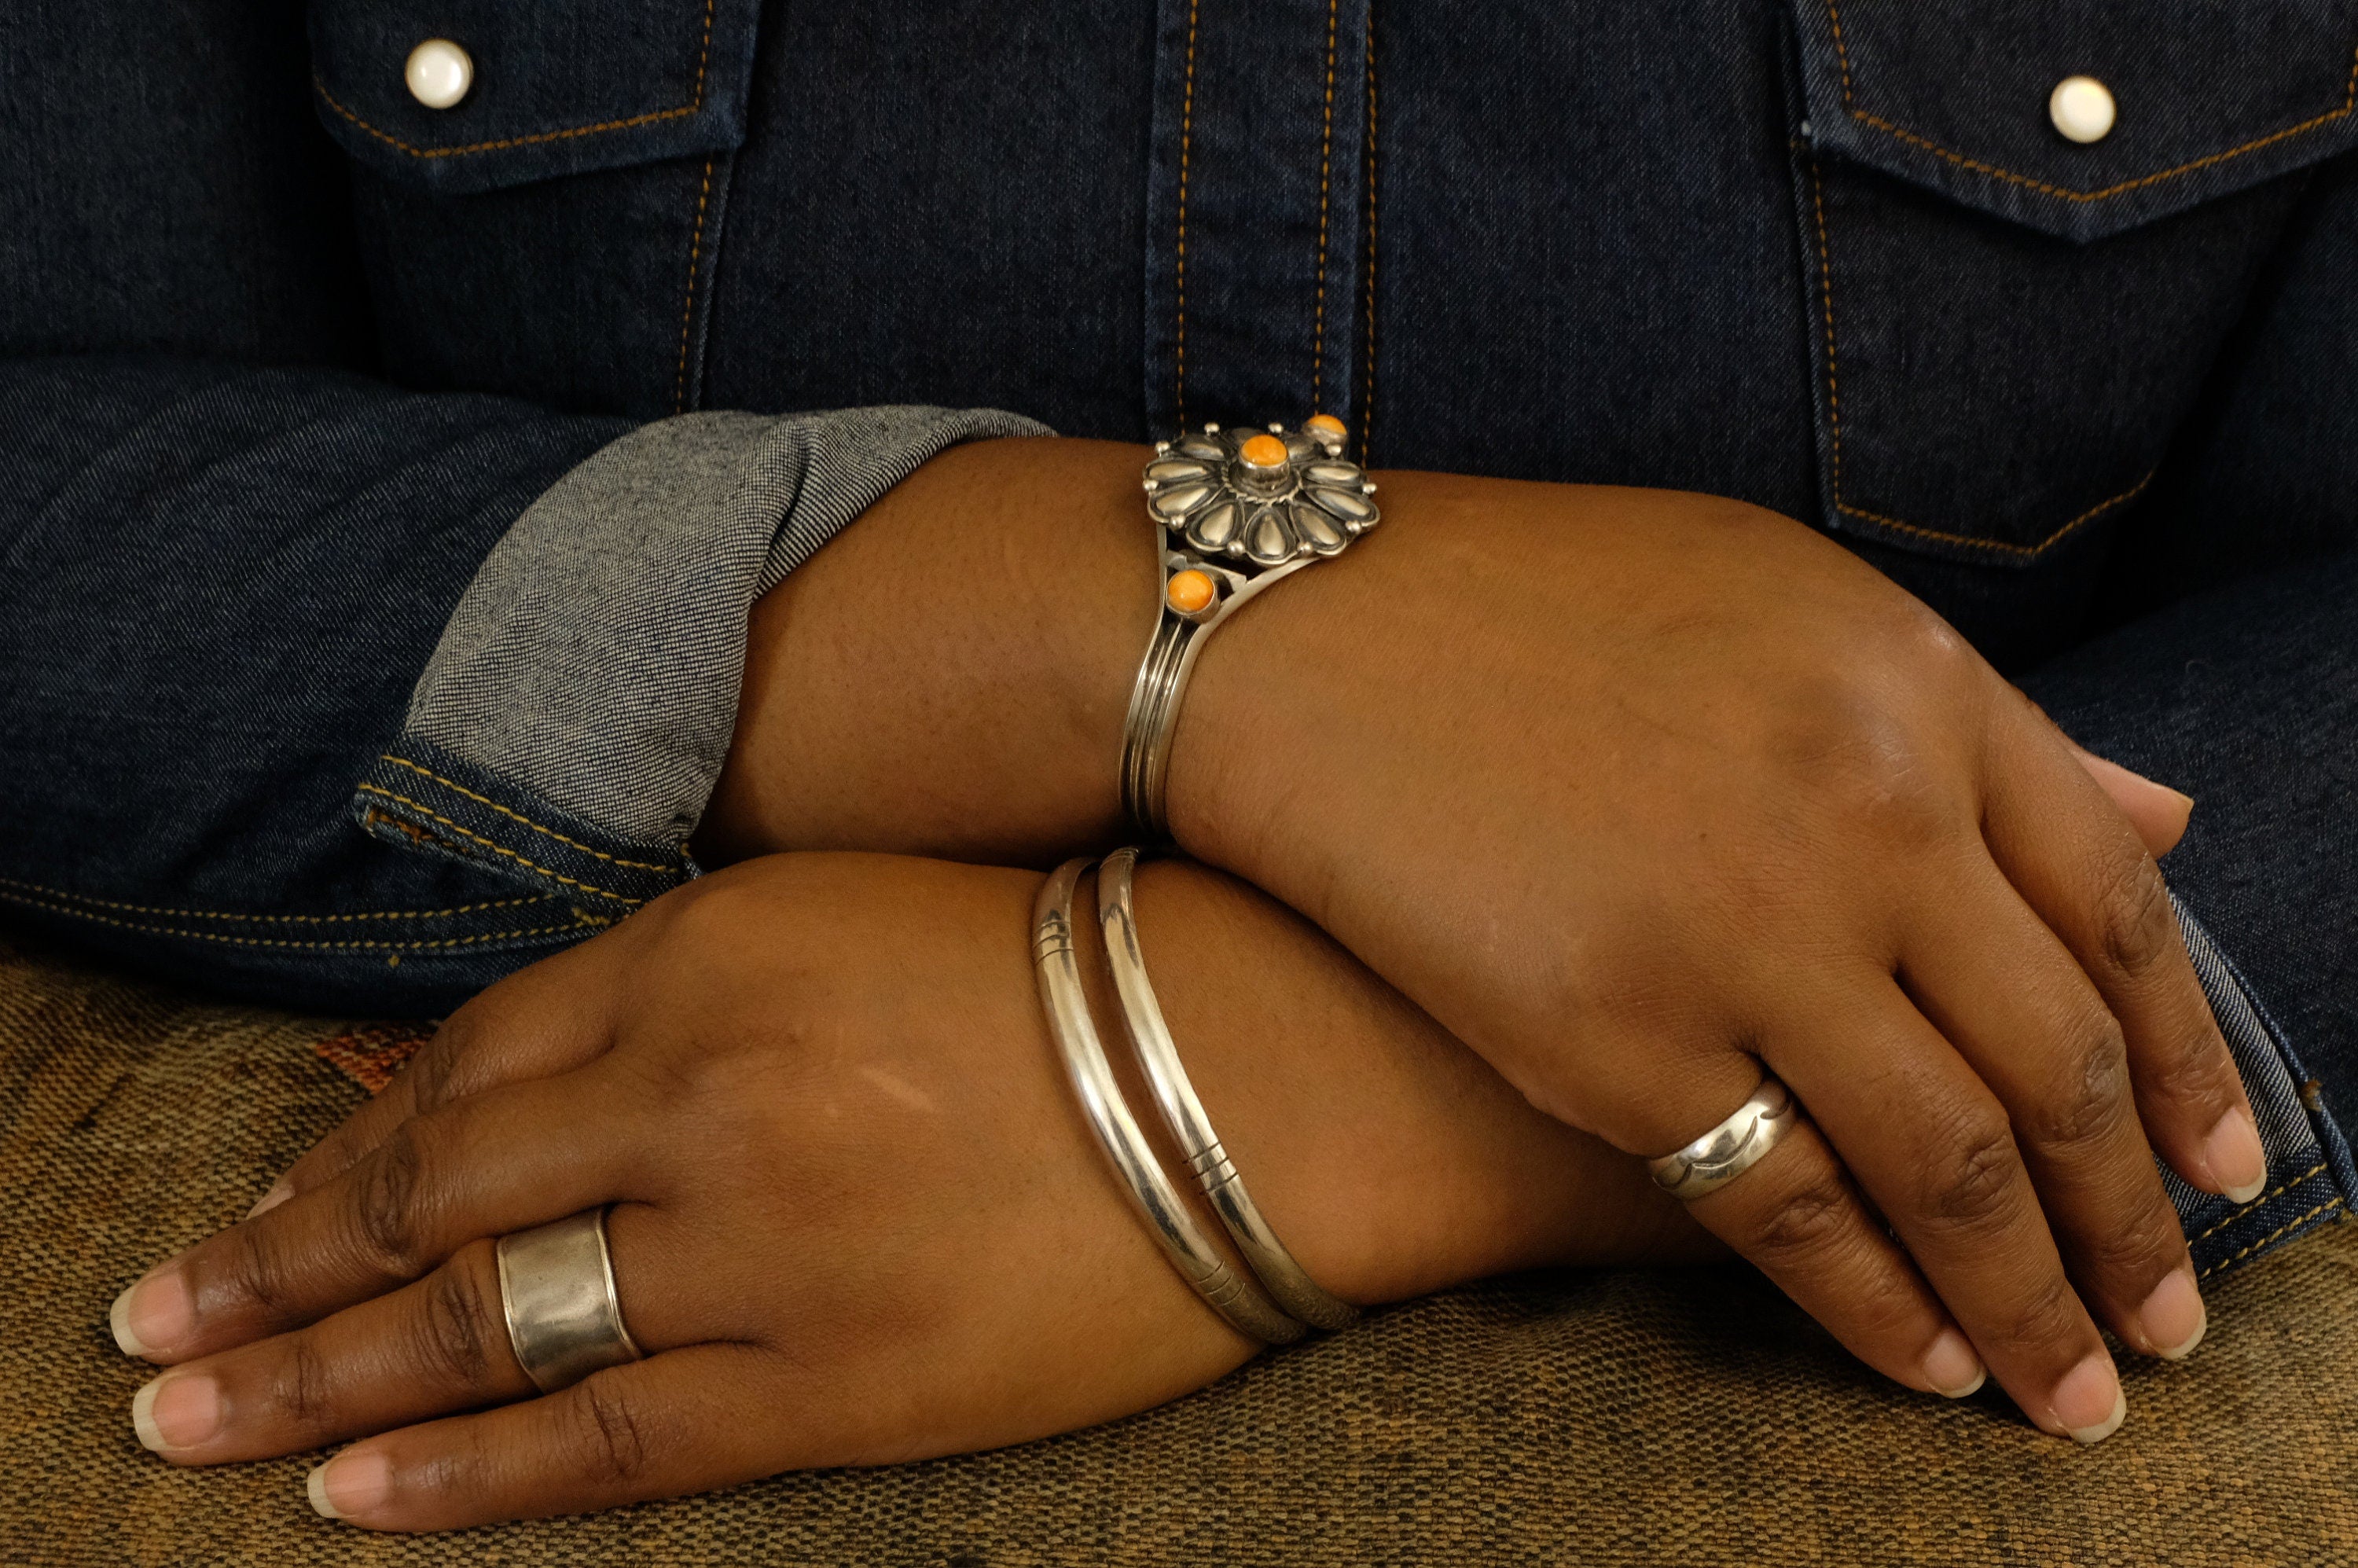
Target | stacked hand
(1640,794)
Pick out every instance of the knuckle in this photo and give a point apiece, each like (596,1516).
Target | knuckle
(2090,1098)
(433,1071)
(609,1434)
(385,1208)
(260,1268)
(1812,1220)
(2137,930)
(2141,1245)
(300,1390)
(1977,1185)
(2045,1313)
(455,1330)
(2197,1070)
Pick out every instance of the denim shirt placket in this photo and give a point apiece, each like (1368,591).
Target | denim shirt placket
(1257,188)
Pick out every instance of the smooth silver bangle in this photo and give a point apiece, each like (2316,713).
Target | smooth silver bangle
(1184,1114)
(1241,509)
(1158,1202)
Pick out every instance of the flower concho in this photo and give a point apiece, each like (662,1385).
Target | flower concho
(1244,507)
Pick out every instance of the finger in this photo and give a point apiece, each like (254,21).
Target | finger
(536,1023)
(2078,864)
(1797,1218)
(686,1421)
(2158,813)
(501,1161)
(427,1349)
(432,1348)
(1931,1147)
(2009,997)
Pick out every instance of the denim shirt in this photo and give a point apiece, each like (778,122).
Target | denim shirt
(386,485)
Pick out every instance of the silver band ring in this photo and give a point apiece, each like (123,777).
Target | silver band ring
(1732,1148)
(557,1291)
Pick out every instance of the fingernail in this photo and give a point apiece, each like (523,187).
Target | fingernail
(2088,1402)
(278,1195)
(2237,1162)
(356,1481)
(176,1410)
(1951,1367)
(155,1311)
(2173,1316)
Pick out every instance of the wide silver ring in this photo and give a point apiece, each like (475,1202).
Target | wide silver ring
(557,1291)
(1732,1148)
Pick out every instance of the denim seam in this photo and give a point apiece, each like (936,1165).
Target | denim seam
(2332,1202)
(1841,56)
(2300,1181)
(270,919)
(1368,279)
(687,110)
(500,848)
(581,921)
(687,303)
(1834,420)
(1326,177)
(484,800)
(1186,137)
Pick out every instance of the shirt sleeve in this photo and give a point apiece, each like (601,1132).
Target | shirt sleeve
(573,719)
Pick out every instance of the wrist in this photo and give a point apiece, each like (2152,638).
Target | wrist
(948,677)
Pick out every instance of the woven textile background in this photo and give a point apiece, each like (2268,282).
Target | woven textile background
(1604,1419)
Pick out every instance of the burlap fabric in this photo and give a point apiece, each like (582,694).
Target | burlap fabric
(1631,1417)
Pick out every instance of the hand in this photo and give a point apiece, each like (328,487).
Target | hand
(857,1218)
(1637,791)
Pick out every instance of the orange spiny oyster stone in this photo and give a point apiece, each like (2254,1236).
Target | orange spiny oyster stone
(1263,452)
(1189,591)
(1326,423)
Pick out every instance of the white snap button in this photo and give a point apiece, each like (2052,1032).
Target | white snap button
(2082,108)
(439,73)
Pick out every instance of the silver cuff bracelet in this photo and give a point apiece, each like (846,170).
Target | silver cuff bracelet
(1241,510)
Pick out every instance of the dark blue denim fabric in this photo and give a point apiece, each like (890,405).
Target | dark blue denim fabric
(1831,260)
(217,586)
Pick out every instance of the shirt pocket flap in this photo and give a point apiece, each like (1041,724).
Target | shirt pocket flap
(2206,98)
(553,88)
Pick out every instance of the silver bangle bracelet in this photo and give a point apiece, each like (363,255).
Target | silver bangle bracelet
(1184,1112)
(1142,1179)
(1242,510)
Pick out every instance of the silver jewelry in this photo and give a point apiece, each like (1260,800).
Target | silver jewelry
(1184,1114)
(1167,1217)
(1732,1148)
(557,1291)
(1241,510)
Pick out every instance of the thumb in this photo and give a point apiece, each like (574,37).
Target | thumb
(2157,812)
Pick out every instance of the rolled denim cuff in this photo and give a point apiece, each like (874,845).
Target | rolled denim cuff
(2311,1178)
(573,720)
